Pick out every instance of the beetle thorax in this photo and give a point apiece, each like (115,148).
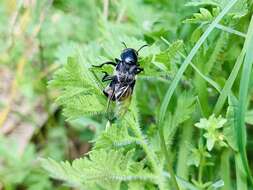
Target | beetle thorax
(129,56)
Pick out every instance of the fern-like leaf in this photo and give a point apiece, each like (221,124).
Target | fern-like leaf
(114,137)
(106,169)
(184,109)
(169,55)
(204,16)
(80,95)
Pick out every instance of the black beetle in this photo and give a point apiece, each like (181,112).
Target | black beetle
(123,81)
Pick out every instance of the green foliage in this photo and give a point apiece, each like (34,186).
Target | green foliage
(240,9)
(132,153)
(204,16)
(80,90)
(103,168)
(17,168)
(183,111)
(115,137)
(242,104)
(212,134)
(153,132)
(168,57)
(108,165)
(197,154)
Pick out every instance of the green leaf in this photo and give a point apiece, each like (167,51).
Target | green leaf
(210,143)
(103,168)
(115,136)
(204,16)
(242,102)
(80,95)
(183,111)
(168,56)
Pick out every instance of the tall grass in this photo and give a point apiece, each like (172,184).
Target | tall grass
(188,60)
(179,75)
(240,127)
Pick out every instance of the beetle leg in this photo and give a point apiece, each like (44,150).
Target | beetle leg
(139,69)
(107,77)
(117,60)
(106,63)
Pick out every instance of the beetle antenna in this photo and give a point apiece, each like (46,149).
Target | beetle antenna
(124,44)
(142,47)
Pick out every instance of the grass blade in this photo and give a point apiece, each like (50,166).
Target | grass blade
(229,83)
(242,102)
(241,175)
(231,79)
(207,79)
(230,30)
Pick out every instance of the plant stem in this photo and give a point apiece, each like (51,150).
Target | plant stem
(166,154)
(201,166)
(241,176)
(182,168)
(225,169)
(230,30)
(151,157)
(106,9)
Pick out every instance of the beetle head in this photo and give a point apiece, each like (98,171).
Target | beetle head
(129,56)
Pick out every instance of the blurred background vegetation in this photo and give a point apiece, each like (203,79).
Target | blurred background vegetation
(37,37)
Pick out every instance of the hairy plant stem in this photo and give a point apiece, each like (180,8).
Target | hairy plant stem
(151,157)
(183,153)
(166,154)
